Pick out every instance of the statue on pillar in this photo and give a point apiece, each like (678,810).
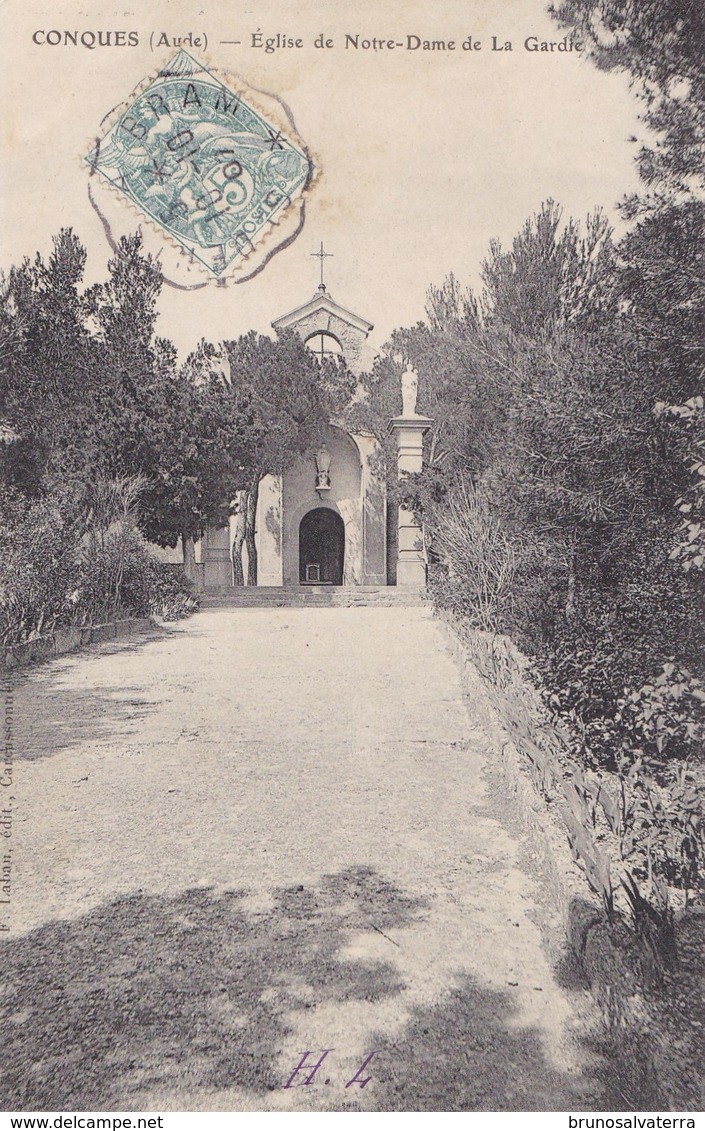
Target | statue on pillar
(409,429)
(409,390)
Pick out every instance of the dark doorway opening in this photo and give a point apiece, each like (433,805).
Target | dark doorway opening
(321,547)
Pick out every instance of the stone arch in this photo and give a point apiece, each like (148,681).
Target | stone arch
(324,335)
(321,547)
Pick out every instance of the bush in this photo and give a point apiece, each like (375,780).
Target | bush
(475,573)
(172,595)
(39,543)
(626,671)
(54,572)
(114,578)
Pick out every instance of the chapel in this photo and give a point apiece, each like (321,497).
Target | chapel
(325,522)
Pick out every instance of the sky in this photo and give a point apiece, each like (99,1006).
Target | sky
(422,156)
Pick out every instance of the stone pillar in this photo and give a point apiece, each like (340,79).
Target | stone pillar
(215,557)
(268,526)
(411,555)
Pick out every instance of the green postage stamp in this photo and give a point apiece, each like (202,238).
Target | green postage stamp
(204,164)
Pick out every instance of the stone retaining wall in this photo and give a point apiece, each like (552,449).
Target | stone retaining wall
(65,640)
(576,906)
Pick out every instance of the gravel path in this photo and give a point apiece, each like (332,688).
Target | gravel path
(265,832)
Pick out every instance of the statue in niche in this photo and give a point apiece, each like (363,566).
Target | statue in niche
(323,462)
(409,390)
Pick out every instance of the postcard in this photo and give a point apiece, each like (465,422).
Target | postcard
(350,443)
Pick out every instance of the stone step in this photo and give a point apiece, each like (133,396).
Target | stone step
(310,596)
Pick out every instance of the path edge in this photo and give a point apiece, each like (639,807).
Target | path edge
(577,909)
(71,639)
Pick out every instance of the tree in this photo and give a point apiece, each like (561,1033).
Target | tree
(83,381)
(90,392)
(662,284)
(287,396)
(689,548)
(136,401)
(204,446)
(46,371)
(543,389)
(660,44)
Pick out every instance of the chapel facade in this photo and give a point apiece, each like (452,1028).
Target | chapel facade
(325,522)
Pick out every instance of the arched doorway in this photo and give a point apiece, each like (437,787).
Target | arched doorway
(321,547)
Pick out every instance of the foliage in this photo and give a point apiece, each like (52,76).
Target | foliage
(105,502)
(45,370)
(660,44)
(113,580)
(555,274)
(479,556)
(278,381)
(201,453)
(287,397)
(90,389)
(171,594)
(76,557)
(689,548)
(39,545)
(618,647)
(664,718)
(636,831)
(661,263)
(562,499)
(543,391)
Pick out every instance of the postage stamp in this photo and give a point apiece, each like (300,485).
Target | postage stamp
(203,163)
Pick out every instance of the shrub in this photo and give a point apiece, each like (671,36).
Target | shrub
(625,671)
(58,566)
(114,579)
(665,718)
(172,595)
(38,547)
(687,422)
(479,561)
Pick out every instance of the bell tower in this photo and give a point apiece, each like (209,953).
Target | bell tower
(327,327)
